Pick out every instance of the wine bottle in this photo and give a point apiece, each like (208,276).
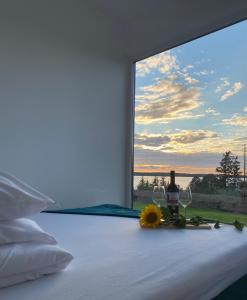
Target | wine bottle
(172,195)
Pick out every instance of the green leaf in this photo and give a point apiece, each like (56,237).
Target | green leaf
(180,222)
(196,221)
(239,226)
(166,213)
(217,225)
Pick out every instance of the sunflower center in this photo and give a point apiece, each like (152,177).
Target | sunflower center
(151,217)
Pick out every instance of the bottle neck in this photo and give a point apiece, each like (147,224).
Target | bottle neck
(172,175)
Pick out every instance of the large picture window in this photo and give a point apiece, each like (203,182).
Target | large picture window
(191,117)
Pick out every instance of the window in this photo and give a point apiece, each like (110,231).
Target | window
(191,117)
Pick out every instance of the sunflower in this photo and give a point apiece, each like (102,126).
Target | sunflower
(150,217)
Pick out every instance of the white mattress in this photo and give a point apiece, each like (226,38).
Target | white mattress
(116,260)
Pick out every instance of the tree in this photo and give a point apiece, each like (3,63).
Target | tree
(141,184)
(195,184)
(147,185)
(229,169)
(195,180)
(155,181)
(236,171)
(211,183)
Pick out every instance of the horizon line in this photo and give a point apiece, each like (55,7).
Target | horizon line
(165,174)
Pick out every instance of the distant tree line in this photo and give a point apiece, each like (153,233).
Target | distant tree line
(148,186)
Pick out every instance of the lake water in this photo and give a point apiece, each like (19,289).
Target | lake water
(181,181)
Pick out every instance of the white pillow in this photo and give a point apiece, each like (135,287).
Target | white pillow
(29,261)
(23,230)
(18,200)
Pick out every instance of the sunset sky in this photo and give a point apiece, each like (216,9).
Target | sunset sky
(191,104)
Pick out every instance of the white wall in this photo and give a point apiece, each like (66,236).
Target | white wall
(63,94)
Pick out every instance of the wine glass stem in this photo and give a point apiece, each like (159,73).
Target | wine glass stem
(185,212)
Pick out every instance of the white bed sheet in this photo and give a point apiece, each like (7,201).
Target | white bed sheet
(116,260)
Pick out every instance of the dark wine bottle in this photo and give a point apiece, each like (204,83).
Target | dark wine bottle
(172,195)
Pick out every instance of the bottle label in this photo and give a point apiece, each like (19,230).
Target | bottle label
(172,198)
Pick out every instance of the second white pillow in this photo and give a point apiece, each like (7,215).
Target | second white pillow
(19,200)
(23,230)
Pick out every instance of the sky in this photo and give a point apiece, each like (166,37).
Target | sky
(191,104)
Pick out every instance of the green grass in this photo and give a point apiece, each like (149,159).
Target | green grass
(206,213)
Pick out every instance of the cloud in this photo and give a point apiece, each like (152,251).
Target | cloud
(148,161)
(204,154)
(242,138)
(161,88)
(148,168)
(164,62)
(204,72)
(236,120)
(165,101)
(212,111)
(222,85)
(186,151)
(235,88)
(184,75)
(166,158)
(189,169)
(191,141)
(189,78)
(170,142)
(151,141)
(245,108)
(187,67)
(192,136)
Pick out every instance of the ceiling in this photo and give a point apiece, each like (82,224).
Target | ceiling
(148,27)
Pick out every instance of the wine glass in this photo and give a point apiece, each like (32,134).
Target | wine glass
(159,195)
(185,198)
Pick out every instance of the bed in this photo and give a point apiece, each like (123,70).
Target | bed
(116,260)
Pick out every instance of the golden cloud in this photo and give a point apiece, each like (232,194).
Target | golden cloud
(187,77)
(189,169)
(165,101)
(154,140)
(164,62)
(187,142)
(192,136)
(236,120)
(172,142)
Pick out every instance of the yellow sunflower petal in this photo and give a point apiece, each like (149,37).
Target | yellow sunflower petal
(150,217)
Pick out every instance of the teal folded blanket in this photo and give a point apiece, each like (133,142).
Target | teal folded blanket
(101,210)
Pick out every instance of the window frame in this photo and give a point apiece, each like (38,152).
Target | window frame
(133,102)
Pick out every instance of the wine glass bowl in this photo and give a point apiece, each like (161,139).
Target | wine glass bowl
(158,196)
(185,198)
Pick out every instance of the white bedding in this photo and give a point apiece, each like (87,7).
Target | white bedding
(115,260)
